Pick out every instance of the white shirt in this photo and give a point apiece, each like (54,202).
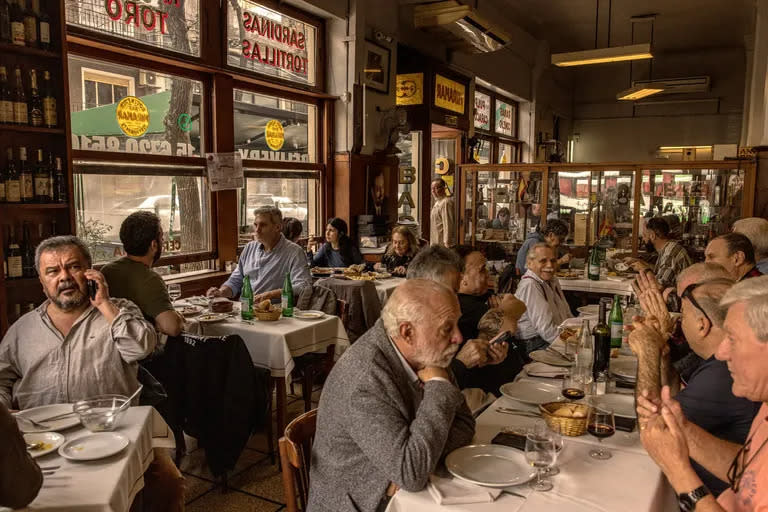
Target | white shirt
(411,373)
(546,307)
(441,223)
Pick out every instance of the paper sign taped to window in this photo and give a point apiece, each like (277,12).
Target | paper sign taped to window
(225,171)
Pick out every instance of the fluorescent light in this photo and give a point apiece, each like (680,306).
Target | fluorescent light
(636,93)
(681,148)
(602,55)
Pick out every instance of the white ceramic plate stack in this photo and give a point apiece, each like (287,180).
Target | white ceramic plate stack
(531,391)
(489,465)
(624,368)
(42,413)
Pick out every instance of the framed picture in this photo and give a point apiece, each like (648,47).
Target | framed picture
(376,68)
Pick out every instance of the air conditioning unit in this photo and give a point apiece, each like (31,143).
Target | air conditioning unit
(469,30)
(676,85)
(147,78)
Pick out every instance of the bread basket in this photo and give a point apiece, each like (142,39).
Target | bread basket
(268,316)
(573,424)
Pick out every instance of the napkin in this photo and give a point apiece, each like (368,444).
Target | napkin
(451,491)
(537,369)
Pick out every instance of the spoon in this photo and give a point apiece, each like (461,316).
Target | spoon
(127,402)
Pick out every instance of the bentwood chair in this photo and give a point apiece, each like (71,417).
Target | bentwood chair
(295,454)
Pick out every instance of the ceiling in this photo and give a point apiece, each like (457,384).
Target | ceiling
(569,25)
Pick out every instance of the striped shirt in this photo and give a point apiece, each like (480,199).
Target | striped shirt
(673,259)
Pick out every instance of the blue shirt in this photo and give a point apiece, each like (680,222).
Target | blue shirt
(332,258)
(267,269)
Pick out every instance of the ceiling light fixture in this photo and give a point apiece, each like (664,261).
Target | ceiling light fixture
(603,55)
(638,92)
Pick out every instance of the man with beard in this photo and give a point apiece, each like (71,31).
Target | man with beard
(131,277)
(673,258)
(390,409)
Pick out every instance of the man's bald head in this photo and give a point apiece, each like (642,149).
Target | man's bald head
(700,272)
(413,301)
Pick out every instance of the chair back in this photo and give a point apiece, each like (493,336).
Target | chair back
(295,454)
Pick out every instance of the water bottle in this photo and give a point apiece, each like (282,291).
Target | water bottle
(584,352)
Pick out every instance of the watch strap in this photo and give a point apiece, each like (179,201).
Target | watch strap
(688,500)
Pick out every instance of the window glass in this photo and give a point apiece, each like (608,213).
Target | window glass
(505,118)
(507,153)
(271,128)
(105,194)
(409,177)
(268,42)
(168,24)
(482,111)
(131,110)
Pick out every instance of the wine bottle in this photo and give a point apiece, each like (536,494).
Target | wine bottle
(15,266)
(2,182)
(30,25)
(27,253)
(5,22)
(601,336)
(50,169)
(42,180)
(12,180)
(17,23)
(35,107)
(45,26)
(287,296)
(246,299)
(50,115)
(19,100)
(616,322)
(59,184)
(593,271)
(25,177)
(6,103)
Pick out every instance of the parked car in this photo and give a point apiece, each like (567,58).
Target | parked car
(159,204)
(287,206)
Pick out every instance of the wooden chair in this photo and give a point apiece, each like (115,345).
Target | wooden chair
(295,454)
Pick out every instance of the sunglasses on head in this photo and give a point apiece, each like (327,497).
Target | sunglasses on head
(688,294)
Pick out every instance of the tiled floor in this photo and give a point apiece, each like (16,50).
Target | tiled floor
(254,486)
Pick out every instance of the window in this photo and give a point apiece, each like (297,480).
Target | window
(104,88)
(482,111)
(505,118)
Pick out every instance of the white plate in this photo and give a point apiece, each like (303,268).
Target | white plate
(46,411)
(52,441)
(189,310)
(531,391)
(625,367)
(622,405)
(94,446)
(592,309)
(543,356)
(308,314)
(210,318)
(490,465)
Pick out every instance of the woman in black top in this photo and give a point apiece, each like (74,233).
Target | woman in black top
(338,249)
(400,251)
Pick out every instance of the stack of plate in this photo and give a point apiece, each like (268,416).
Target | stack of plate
(624,370)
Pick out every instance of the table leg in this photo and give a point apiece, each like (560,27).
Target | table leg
(280,393)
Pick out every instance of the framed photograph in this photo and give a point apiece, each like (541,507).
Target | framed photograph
(376,69)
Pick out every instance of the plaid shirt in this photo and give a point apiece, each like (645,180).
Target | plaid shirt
(673,259)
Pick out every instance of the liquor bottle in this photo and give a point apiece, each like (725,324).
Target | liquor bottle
(45,25)
(287,296)
(42,180)
(30,25)
(25,177)
(17,23)
(616,321)
(6,103)
(601,337)
(593,265)
(50,169)
(19,100)
(27,253)
(246,299)
(59,184)
(12,181)
(5,22)
(15,267)
(35,107)
(2,184)
(50,115)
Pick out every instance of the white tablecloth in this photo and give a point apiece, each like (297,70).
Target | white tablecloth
(385,287)
(608,287)
(273,345)
(107,485)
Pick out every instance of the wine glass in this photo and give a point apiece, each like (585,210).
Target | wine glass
(574,386)
(540,453)
(554,432)
(601,424)
(174,291)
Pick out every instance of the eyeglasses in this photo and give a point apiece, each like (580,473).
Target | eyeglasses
(688,294)
(736,471)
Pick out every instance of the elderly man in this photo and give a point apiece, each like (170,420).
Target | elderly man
(671,440)
(673,258)
(389,409)
(266,261)
(733,251)
(439,264)
(546,306)
(442,229)
(131,277)
(554,234)
(756,229)
(707,400)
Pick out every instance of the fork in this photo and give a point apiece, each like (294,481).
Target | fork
(33,422)
(557,352)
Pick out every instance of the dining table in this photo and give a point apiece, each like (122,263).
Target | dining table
(109,484)
(607,285)
(385,287)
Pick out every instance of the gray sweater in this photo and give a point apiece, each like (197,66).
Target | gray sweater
(375,425)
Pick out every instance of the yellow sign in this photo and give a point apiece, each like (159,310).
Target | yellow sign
(449,94)
(410,89)
(274,135)
(132,116)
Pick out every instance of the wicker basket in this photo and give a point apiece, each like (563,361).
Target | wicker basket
(566,426)
(268,316)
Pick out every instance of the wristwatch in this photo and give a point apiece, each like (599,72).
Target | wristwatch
(688,500)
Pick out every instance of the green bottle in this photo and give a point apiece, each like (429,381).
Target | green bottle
(601,336)
(593,265)
(616,322)
(246,300)
(287,295)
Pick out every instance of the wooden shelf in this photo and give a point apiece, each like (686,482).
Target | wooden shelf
(30,129)
(20,283)
(35,206)
(25,50)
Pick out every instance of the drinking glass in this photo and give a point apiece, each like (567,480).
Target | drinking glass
(540,453)
(541,429)
(174,291)
(601,424)
(574,385)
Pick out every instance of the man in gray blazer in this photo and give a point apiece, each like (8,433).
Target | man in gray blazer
(390,410)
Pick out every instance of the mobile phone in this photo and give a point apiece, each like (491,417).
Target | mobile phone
(92,287)
(501,337)
(510,439)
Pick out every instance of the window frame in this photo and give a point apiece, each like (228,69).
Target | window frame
(491,134)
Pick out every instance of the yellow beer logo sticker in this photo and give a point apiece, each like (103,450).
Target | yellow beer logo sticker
(275,135)
(132,116)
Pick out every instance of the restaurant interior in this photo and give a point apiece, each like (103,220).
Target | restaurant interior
(211,214)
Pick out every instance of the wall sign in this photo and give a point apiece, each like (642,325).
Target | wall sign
(132,116)
(410,89)
(482,111)
(449,94)
(505,115)
(274,135)
(271,43)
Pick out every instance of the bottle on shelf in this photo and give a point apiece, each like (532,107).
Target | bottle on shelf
(5,22)
(50,170)
(616,321)
(19,100)
(15,266)
(12,180)
(6,101)
(287,296)
(42,180)
(27,253)
(3,179)
(45,25)
(17,23)
(35,106)
(59,184)
(601,336)
(246,299)
(50,115)
(30,25)
(593,265)
(26,177)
